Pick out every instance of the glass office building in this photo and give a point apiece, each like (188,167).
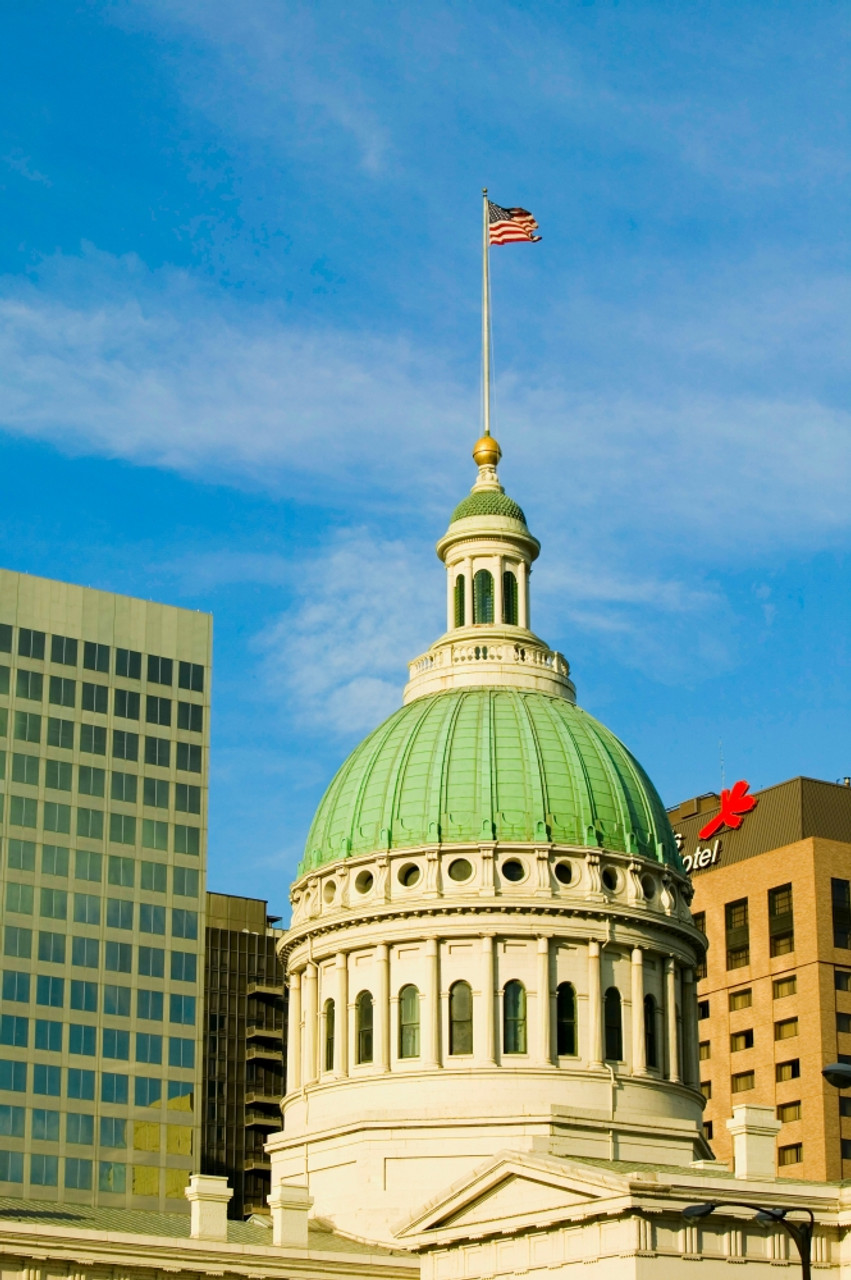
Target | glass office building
(104,729)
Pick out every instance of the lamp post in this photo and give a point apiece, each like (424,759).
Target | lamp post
(838,1074)
(801,1232)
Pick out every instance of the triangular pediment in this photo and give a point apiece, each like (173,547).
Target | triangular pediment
(511,1191)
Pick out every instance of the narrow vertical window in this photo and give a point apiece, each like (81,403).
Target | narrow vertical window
(460,1018)
(514,1018)
(329,1035)
(482,596)
(363,1011)
(612,1023)
(509,598)
(409,1022)
(651,1046)
(460,600)
(565,1020)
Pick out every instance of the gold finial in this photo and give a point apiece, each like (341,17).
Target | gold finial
(486,452)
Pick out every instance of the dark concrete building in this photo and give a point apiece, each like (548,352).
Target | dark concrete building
(244,1046)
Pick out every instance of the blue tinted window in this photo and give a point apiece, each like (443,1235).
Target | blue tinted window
(149,1048)
(12,1121)
(84,995)
(11,1166)
(116,1044)
(13,1075)
(16,986)
(50,991)
(81,1084)
(48,1035)
(181,1053)
(45,1125)
(114,1088)
(81,1039)
(44,1170)
(47,1079)
(14,1030)
(147,1091)
(80,1128)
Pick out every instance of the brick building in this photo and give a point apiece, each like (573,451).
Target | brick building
(774,899)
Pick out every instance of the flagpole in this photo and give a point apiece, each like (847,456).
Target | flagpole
(486,315)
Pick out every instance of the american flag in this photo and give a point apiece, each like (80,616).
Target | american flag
(507,225)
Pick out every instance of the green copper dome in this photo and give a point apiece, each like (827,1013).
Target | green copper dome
(489,764)
(488,502)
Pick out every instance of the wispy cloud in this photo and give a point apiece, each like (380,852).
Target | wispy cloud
(362,608)
(145,366)
(22,164)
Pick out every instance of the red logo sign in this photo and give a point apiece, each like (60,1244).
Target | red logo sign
(735,803)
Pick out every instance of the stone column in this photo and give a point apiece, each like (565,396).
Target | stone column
(688,1023)
(497,592)
(468,591)
(431,1006)
(545,1046)
(382,1008)
(639,1052)
(595,1006)
(310,1019)
(341,1028)
(489,1000)
(451,575)
(294,1035)
(671,1018)
(523,593)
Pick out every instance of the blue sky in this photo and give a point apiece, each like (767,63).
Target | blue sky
(239,361)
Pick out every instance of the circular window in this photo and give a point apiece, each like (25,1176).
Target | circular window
(610,879)
(329,890)
(364,882)
(648,887)
(563,872)
(460,870)
(513,870)
(409,874)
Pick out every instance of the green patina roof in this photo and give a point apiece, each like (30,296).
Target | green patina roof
(488,503)
(484,764)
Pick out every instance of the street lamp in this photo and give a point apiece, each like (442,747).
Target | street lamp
(838,1074)
(801,1232)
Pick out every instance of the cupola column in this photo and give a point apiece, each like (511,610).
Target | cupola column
(450,598)
(523,593)
(431,1021)
(671,1018)
(294,1035)
(595,1007)
(639,1052)
(691,1063)
(341,1029)
(489,1000)
(310,1019)
(497,592)
(545,1048)
(468,591)
(382,1008)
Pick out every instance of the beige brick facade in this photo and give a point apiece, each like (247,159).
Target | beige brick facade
(785,1003)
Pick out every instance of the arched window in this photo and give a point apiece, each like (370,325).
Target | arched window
(651,1047)
(329,1035)
(565,1020)
(509,598)
(409,1022)
(460,1018)
(363,1020)
(460,599)
(482,596)
(612,1024)
(514,1018)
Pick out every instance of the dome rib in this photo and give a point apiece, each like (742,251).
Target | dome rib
(444,766)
